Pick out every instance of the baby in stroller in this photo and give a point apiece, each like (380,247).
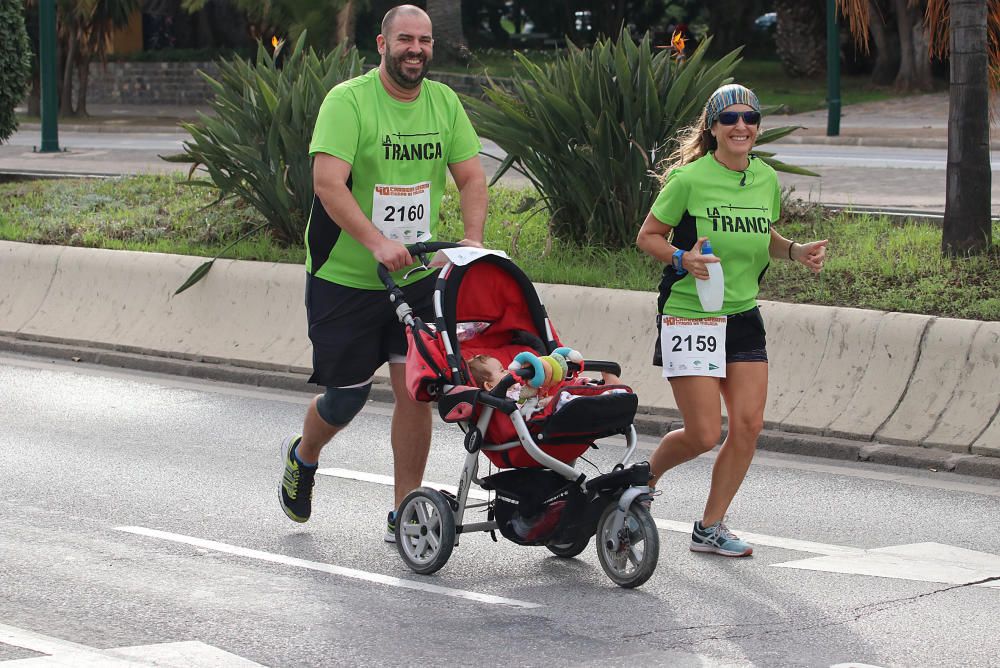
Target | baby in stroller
(538,496)
(487,372)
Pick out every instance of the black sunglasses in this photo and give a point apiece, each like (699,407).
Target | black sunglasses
(733,117)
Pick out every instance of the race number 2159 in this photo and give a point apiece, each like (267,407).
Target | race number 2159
(701,343)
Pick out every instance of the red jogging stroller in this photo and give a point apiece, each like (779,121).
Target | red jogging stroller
(484,304)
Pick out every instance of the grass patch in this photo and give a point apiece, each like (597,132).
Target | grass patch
(142,213)
(874,263)
(768,79)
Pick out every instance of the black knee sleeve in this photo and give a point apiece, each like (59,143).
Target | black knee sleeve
(339,405)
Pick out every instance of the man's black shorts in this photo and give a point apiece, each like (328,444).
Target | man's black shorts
(746,340)
(354,332)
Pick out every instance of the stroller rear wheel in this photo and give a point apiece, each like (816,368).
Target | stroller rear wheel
(425,530)
(571,549)
(634,561)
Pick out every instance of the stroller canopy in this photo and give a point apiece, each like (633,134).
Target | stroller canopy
(492,290)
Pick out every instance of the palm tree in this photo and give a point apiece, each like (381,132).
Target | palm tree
(800,38)
(449,39)
(969,30)
(84,29)
(967,224)
(346,22)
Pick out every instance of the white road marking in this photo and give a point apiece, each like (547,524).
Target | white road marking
(36,642)
(924,562)
(666,525)
(329,568)
(62,653)
(770,541)
(364,476)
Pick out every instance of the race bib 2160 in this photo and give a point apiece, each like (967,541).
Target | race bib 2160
(403,213)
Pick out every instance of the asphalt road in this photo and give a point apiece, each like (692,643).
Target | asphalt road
(140,523)
(805,155)
(889,179)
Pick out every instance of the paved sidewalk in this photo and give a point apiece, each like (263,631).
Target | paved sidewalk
(914,121)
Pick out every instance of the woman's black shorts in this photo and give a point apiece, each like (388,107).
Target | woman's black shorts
(746,339)
(354,331)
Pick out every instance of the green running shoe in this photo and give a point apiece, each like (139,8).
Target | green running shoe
(297,481)
(390,527)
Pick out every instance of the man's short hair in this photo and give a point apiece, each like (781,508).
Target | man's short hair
(391,15)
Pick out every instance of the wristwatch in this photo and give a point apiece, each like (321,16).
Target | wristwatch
(678,262)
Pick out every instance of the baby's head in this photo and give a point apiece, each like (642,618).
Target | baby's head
(486,371)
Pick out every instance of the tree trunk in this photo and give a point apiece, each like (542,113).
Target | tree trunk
(66,97)
(730,22)
(607,18)
(346,19)
(449,40)
(83,78)
(35,97)
(886,46)
(923,77)
(967,226)
(914,64)
(800,37)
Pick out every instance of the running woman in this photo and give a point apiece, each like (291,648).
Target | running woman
(715,189)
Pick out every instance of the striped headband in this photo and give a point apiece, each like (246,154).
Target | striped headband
(728,95)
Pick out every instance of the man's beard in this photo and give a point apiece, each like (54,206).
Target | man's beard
(394,66)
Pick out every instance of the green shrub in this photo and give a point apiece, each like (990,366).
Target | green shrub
(256,147)
(589,128)
(15,63)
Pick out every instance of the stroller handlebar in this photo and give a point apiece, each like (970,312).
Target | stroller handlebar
(603,365)
(419,251)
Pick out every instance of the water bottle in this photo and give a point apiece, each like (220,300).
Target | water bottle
(711,290)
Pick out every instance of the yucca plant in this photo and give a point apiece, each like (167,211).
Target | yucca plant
(589,129)
(256,146)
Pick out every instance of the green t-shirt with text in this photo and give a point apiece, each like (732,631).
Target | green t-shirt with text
(399,153)
(735,211)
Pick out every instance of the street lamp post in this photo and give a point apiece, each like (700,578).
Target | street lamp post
(47,75)
(832,70)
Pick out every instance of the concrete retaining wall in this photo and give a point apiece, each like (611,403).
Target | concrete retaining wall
(150,83)
(849,373)
(179,83)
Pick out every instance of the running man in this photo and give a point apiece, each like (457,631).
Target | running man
(381,146)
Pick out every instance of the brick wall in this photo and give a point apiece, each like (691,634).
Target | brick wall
(180,83)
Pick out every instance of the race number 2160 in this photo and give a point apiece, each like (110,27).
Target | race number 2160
(405,214)
(700,343)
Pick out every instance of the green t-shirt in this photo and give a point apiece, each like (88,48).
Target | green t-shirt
(399,152)
(735,211)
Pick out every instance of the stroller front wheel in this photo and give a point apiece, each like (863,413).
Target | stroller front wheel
(634,561)
(425,530)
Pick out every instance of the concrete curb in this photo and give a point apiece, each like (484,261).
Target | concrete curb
(652,423)
(874,140)
(837,373)
(112,129)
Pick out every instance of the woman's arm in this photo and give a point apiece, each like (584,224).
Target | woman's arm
(811,254)
(652,240)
